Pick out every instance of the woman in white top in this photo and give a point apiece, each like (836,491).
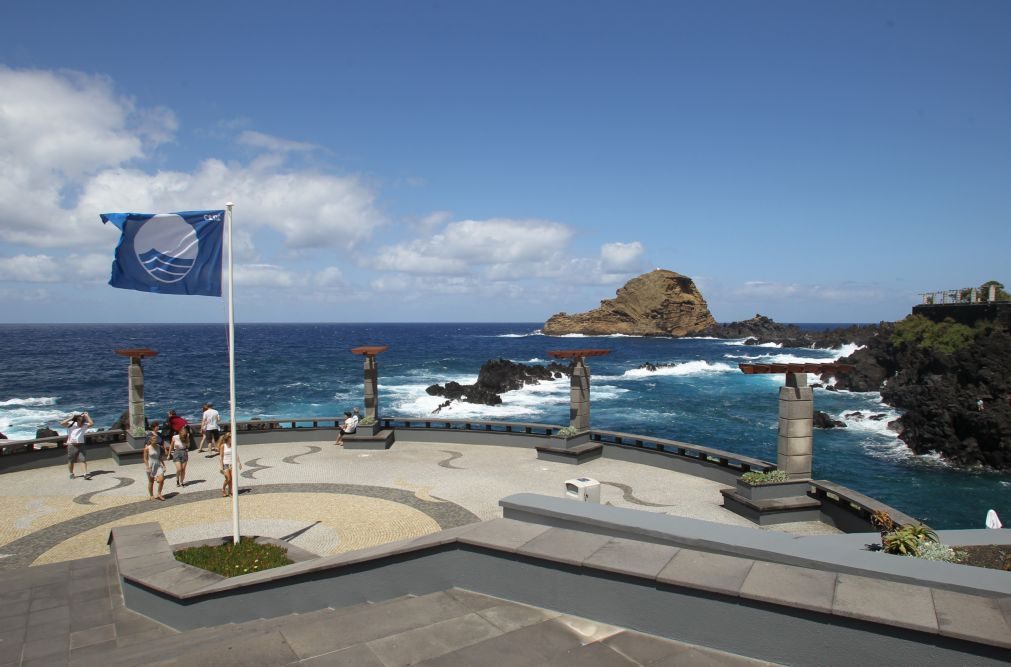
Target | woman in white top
(155,465)
(228,457)
(181,454)
(77,426)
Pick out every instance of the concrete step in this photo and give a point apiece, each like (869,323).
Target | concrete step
(232,640)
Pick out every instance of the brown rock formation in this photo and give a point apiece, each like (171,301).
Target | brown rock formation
(658,303)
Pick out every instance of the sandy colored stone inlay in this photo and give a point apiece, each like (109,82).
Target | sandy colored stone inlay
(346,522)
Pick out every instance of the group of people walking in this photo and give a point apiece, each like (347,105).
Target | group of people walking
(172,441)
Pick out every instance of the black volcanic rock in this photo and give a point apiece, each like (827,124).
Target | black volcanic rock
(940,394)
(824,420)
(498,376)
(761,329)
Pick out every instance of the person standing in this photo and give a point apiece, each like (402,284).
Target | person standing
(210,427)
(154,462)
(77,426)
(176,423)
(228,461)
(181,455)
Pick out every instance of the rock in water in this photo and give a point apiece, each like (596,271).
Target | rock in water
(658,303)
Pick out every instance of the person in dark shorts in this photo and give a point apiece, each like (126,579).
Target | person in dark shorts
(77,426)
(181,455)
(210,427)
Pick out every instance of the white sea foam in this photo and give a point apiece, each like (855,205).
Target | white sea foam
(700,338)
(688,368)
(867,425)
(20,423)
(846,350)
(535,332)
(747,357)
(411,400)
(41,400)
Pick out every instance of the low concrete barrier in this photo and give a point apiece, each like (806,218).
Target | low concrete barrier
(774,612)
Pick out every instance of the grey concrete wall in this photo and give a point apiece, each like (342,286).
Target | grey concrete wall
(651,457)
(745,542)
(45,458)
(760,630)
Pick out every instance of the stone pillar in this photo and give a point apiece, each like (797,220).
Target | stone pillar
(579,396)
(135,395)
(135,389)
(371,387)
(796,427)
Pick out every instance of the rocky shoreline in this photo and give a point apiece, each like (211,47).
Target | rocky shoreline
(496,377)
(951,382)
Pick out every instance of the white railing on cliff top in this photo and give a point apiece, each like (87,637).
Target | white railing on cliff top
(963,295)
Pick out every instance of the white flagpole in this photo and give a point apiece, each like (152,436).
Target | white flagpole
(231,379)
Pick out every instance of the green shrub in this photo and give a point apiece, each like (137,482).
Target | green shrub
(1001,294)
(937,551)
(367,421)
(945,337)
(908,540)
(770,477)
(568,432)
(231,560)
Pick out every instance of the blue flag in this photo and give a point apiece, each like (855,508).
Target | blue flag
(168,253)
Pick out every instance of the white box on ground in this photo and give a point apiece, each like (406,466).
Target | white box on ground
(584,489)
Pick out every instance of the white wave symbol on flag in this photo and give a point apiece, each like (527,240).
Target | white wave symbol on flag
(167,247)
(164,267)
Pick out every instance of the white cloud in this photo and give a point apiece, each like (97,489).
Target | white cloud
(846,292)
(331,276)
(64,122)
(621,257)
(466,244)
(66,132)
(276,144)
(48,269)
(266,275)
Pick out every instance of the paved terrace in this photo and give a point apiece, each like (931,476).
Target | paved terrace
(324,499)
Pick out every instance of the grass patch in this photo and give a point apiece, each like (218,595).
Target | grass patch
(231,560)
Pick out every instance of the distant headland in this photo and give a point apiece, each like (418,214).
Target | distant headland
(658,303)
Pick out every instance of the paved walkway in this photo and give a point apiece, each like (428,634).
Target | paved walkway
(323,499)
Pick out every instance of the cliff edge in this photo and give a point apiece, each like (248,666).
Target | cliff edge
(658,303)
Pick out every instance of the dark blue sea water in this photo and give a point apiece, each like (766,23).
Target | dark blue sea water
(307,370)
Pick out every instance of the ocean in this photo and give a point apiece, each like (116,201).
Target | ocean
(307,370)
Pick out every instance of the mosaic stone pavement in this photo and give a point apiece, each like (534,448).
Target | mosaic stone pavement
(323,498)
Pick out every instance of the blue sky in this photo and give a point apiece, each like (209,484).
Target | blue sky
(503,161)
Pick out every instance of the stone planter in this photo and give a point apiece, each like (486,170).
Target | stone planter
(770,491)
(562,442)
(370,429)
(135,442)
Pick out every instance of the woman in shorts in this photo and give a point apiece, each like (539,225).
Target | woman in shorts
(228,460)
(154,462)
(181,455)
